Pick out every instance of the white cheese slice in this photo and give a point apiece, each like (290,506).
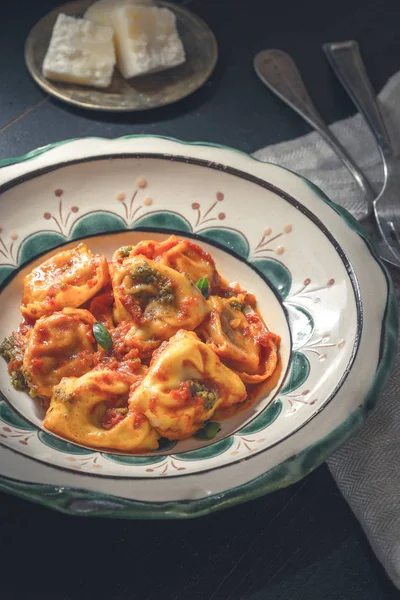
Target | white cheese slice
(146,40)
(80,52)
(100,12)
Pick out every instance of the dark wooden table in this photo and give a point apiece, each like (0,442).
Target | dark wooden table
(301,543)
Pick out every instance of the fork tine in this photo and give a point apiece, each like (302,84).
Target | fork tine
(389,227)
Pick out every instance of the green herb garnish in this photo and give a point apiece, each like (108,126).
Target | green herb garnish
(18,380)
(202,284)
(165,444)
(208,432)
(8,348)
(103,337)
(160,287)
(125,251)
(166,292)
(145,274)
(208,395)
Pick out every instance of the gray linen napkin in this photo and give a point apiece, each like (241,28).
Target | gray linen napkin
(367,467)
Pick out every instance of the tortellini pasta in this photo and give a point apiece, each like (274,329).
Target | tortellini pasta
(93,410)
(187,258)
(69,278)
(184,386)
(148,346)
(59,345)
(241,339)
(181,255)
(158,300)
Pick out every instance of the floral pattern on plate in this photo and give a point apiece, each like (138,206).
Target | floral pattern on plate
(293,396)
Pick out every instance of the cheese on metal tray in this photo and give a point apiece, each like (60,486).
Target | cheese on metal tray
(100,12)
(146,38)
(80,52)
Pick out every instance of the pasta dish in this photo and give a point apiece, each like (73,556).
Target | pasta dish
(149,345)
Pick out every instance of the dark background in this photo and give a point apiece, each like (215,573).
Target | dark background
(300,543)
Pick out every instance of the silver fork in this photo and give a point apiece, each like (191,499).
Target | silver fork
(346,61)
(279,73)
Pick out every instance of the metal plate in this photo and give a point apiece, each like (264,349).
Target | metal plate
(139,93)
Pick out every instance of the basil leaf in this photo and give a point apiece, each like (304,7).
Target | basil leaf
(164,444)
(103,337)
(202,284)
(208,432)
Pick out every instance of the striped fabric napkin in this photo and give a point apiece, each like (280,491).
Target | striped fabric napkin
(367,467)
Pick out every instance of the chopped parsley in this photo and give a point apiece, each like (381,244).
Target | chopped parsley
(145,275)
(18,380)
(8,348)
(166,293)
(125,251)
(209,396)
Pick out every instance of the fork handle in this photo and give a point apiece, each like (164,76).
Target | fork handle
(345,59)
(279,73)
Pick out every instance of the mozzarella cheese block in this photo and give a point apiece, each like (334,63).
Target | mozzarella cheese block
(146,39)
(101,12)
(80,52)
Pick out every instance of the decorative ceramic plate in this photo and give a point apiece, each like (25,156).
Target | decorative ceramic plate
(139,93)
(319,285)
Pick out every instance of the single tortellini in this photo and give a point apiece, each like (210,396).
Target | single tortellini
(157,299)
(181,255)
(239,336)
(93,410)
(69,278)
(59,345)
(187,258)
(185,384)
